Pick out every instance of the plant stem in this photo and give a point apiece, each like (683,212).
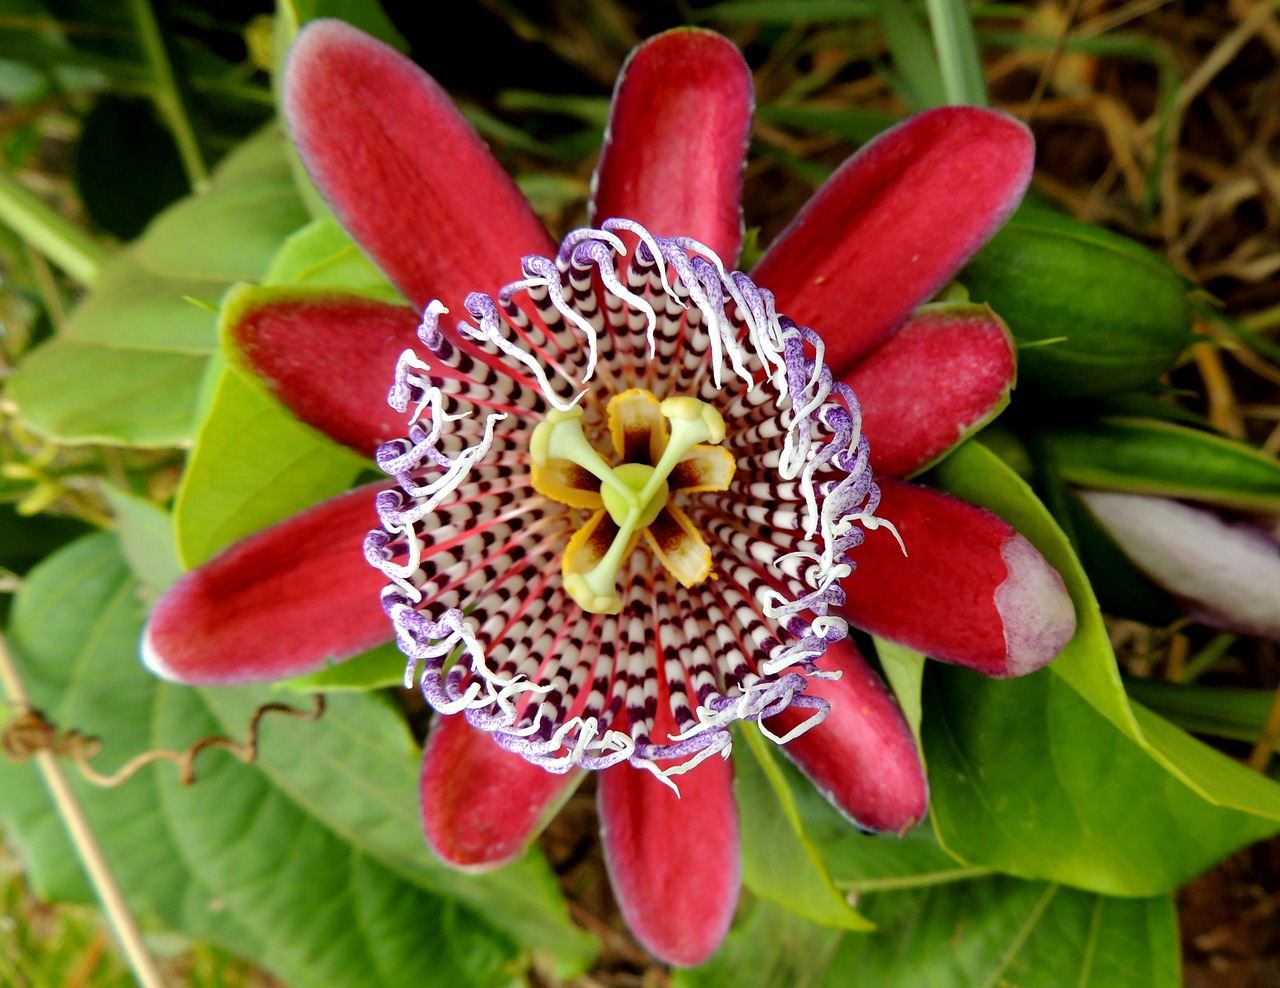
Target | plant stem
(168,98)
(1265,746)
(48,231)
(958,54)
(86,845)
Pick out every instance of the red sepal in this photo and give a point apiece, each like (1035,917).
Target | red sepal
(937,380)
(674,863)
(677,136)
(970,590)
(482,804)
(329,357)
(410,179)
(895,223)
(862,757)
(279,603)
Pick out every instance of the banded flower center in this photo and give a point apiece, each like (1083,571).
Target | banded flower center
(580,557)
(658,444)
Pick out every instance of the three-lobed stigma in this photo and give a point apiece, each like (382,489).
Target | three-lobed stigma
(658,444)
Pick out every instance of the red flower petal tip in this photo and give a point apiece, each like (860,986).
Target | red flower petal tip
(258,611)
(325,355)
(895,223)
(939,379)
(674,863)
(862,757)
(1035,610)
(481,804)
(677,135)
(969,590)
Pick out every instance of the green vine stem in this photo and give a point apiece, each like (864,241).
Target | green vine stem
(958,54)
(168,98)
(48,231)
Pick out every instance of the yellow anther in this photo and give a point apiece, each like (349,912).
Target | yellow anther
(559,436)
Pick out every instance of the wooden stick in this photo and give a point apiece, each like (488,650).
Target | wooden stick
(85,843)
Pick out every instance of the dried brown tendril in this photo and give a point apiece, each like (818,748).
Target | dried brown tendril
(31,732)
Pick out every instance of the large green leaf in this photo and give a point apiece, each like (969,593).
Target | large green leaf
(234,486)
(74,631)
(1029,779)
(862,865)
(780,862)
(146,538)
(356,771)
(997,931)
(328,871)
(984,933)
(253,462)
(1205,805)
(771,947)
(328,913)
(127,366)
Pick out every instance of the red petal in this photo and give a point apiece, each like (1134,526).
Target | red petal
(276,604)
(410,179)
(481,804)
(675,863)
(941,377)
(677,136)
(971,591)
(330,358)
(895,223)
(862,757)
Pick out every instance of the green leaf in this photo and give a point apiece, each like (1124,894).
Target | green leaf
(997,931)
(376,669)
(356,770)
(319,851)
(254,463)
(327,912)
(991,932)
(1029,779)
(146,538)
(127,367)
(904,669)
(1195,785)
(321,254)
(779,860)
(863,864)
(74,632)
(233,486)
(959,59)
(78,391)
(1088,663)
(913,55)
(1151,457)
(1240,714)
(768,948)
